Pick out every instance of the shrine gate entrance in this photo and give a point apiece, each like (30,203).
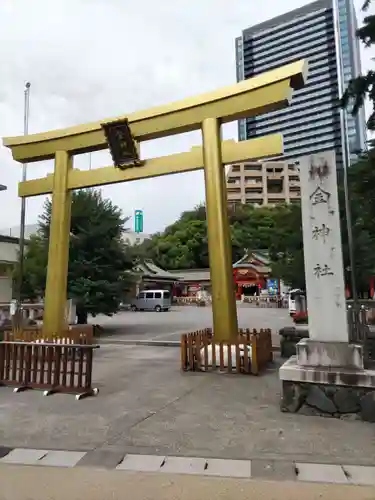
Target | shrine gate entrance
(261,94)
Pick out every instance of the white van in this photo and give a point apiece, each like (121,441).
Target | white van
(152,300)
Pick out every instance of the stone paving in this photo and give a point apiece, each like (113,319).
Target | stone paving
(150,418)
(146,406)
(245,469)
(168,326)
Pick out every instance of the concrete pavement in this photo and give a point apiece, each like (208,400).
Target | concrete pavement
(48,483)
(147,406)
(147,409)
(168,326)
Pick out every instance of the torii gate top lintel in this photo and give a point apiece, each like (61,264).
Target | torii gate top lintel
(263,93)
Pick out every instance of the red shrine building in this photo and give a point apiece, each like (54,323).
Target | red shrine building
(251,276)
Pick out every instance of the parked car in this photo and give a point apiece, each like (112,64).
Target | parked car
(152,300)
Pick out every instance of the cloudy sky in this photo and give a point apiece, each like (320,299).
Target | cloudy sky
(93,59)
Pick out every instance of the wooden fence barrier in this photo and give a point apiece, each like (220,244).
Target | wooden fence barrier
(249,353)
(53,367)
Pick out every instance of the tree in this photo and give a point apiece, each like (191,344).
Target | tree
(99,262)
(363,86)
(253,228)
(184,244)
(34,274)
(361,179)
(286,248)
(277,229)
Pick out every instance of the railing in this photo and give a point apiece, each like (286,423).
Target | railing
(185,301)
(52,367)
(249,353)
(29,311)
(266,302)
(359,332)
(358,325)
(189,301)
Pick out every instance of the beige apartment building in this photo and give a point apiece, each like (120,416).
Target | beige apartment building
(267,183)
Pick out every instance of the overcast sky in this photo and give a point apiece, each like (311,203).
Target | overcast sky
(92,59)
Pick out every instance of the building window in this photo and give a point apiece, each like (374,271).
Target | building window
(274,186)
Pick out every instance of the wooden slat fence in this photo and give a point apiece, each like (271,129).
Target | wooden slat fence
(53,367)
(249,353)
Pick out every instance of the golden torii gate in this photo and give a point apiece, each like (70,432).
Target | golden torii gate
(263,93)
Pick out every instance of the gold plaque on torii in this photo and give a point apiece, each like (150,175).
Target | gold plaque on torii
(121,144)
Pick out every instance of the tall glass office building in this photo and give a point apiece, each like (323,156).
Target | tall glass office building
(323,32)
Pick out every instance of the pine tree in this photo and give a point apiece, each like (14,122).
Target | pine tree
(99,263)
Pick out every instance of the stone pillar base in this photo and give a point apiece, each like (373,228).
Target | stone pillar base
(314,353)
(328,391)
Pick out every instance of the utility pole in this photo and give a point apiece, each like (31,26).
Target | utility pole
(23,201)
(345,152)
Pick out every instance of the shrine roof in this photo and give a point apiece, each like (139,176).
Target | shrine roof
(194,275)
(256,259)
(148,268)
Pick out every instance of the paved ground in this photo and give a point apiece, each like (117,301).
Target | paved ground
(169,325)
(150,416)
(36,483)
(147,406)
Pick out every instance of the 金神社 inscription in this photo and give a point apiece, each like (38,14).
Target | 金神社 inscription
(322,249)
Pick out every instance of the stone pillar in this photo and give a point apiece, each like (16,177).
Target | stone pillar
(322,249)
(327,370)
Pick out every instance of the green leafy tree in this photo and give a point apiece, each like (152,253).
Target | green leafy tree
(363,86)
(276,229)
(99,262)
(361,178)
(34,274)
(286,248)
(253,228)
(184,244)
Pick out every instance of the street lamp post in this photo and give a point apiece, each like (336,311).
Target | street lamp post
(345,148)
(23,199)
